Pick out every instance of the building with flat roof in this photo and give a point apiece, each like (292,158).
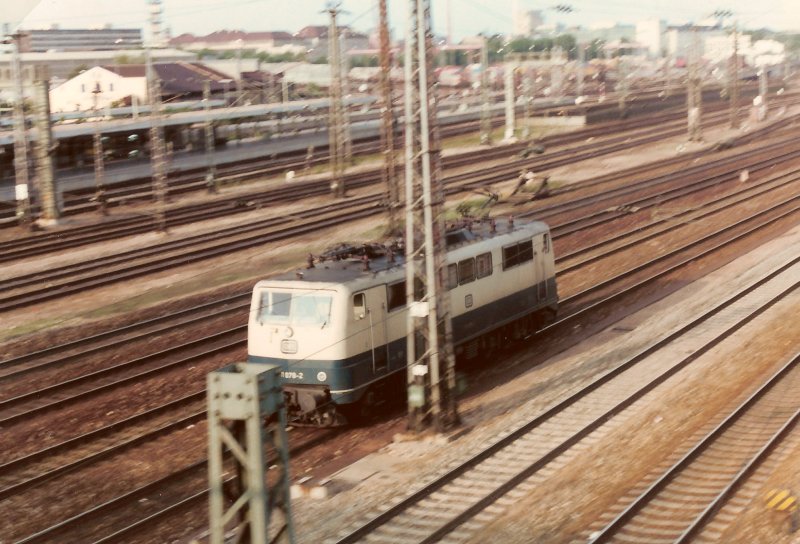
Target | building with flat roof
(60,67)
(81,39)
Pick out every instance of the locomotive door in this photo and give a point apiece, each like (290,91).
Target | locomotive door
(375,316)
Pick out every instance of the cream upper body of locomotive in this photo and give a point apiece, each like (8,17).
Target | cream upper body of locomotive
(338,310)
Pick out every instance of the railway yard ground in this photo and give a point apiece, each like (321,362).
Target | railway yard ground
(675,260)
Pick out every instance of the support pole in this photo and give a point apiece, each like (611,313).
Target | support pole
(212,183)
(157,151)
(527,91)
(579,72)
(556,73)
(734,80)
(348,139)
(336,130)
(22,189)
(246,414)
(486,112)
(45,147)
(763,87)
(694,93)
(510,69)
(430,357)
(622,75)
(99,170)
(389,170)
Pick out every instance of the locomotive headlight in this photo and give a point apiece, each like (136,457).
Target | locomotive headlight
(321,376)
(288,346)
(288,333)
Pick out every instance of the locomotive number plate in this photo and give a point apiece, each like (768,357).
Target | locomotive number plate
(292,375)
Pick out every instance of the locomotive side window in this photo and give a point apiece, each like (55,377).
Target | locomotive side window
(396,295)
(546,243)
(466,271)
(518,253)
(483,264)
(359,306)
(452,276)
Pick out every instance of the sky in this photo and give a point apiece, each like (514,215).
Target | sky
(468,17)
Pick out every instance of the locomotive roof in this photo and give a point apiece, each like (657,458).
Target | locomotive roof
(460,242)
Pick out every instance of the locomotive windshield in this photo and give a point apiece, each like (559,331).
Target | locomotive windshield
(294,307)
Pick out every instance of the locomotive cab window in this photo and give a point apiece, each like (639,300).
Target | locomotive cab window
(466,271)
(546,243)
(359,306)
(296,308)
(275,306)
(518,253)
(483,265)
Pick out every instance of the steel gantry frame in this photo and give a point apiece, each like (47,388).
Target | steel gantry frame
(246,416)
(430,357)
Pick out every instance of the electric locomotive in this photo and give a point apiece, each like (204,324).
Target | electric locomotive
(338,327)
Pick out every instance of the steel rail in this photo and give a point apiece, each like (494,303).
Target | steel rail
(653,490)
(512,436)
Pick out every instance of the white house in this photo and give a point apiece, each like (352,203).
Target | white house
(96,88)
(102,86)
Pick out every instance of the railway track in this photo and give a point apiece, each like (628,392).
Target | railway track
(193,180)
(26,290)
(45,243)
(686,260)
(681,501)
(453,505)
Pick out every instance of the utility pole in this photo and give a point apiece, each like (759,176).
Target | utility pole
(212,183)
(21,174)
(348,140)
(336,130)
(622,76)
(510,68)
(239,99)
(157,151)
(734,80)
(45,178)
(694,94)
(556,73)
(389,170)
(486,112)
(763,87)
(579,72)
(429,344)
(527,87)
(668,76)
(99,169)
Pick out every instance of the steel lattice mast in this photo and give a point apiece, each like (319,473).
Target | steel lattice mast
(21,172)
(389,171)
(336,129)
(157,150)
(430,357)
(486,112)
